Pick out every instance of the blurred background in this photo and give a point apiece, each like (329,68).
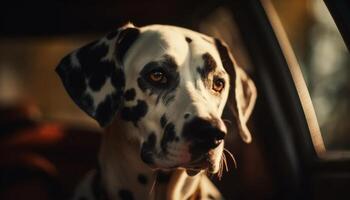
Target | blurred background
(48,143)
(325,63)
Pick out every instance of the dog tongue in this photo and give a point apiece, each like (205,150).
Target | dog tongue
(191,172)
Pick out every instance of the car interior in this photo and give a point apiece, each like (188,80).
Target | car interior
(295,51)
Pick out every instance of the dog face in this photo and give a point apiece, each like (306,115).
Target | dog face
(171,84)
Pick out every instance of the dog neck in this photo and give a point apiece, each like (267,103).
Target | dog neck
(125,174)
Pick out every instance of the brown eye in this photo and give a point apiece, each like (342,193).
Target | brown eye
(158,77)
(218,85)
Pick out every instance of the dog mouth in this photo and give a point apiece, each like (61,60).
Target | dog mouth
(202,163)
(181,158)
(192,168)
(191,172)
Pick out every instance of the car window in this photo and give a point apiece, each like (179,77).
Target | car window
(325,65)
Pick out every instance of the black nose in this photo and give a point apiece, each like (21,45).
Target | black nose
(205,134)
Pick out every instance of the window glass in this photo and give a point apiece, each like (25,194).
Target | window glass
(325,64)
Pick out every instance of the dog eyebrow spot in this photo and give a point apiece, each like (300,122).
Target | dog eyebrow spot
(125,194)
(209,66)
(189,40)
(134,113)
(163,121)
(130,94)
(142,179)
(169,61)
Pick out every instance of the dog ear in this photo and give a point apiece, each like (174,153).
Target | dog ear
(242,96)
(93,74)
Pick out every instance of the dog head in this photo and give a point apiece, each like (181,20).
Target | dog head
(171,83)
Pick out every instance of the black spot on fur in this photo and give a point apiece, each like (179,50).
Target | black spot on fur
(186,115)
(90,57)
(104,111)
(163,121)
(118,78)
(76,82)
(209,66)
(169,136)
(72,77)
(147,149)
(189,40)
(135,113)
(125,195)
(88,103)
(125,39)
(97,79)
(96,82)
(142,179)
(130,94)
(93,71)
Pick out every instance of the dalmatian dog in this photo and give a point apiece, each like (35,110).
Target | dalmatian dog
(161,93)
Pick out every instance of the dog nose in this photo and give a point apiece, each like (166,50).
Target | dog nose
(205,134)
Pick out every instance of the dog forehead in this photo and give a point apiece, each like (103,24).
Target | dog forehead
(185,46)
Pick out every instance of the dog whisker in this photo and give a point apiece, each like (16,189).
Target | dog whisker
(220,168)
(225,162)
(231,156)
(154,183)
(161,46)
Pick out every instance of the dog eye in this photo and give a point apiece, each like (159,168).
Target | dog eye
(218,84)
(158,77)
